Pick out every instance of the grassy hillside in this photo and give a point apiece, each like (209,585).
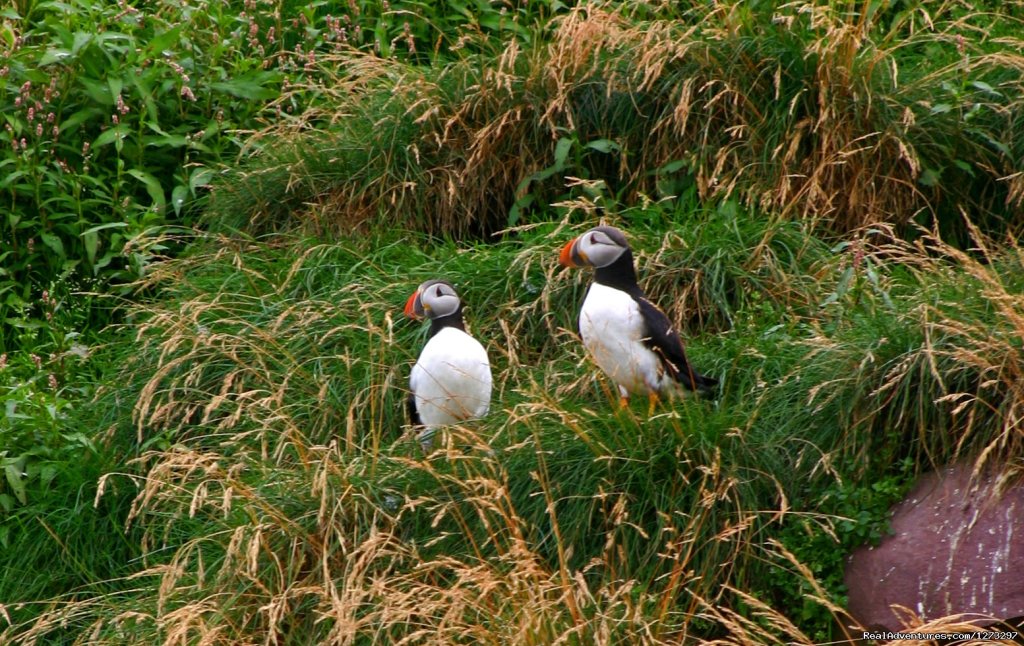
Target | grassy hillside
(277,491)
(806,111)
(822,197)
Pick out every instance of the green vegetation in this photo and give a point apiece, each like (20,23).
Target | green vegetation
(204,359)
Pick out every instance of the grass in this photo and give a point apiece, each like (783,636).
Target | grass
(279,496)
(824,199)
(840,114)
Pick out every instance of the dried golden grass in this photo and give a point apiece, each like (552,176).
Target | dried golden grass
(359,578)
(990,352)
(833,121)
(288,505)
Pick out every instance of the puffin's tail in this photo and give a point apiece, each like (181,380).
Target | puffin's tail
(706,387)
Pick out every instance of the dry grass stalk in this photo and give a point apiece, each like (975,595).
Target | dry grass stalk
(853,143)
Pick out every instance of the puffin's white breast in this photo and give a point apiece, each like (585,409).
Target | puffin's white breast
(613,329)
(451,379)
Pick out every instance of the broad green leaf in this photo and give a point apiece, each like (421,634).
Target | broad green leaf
(162,41)
(47,473)
(113,41)
(178,197)
(604,145)
(81,40)
(964,166)
(104,260)
(562,152)
(54,56)
(107,136)
(995,143)
(517,208)
(930,177)
(91,242)
(54,243)
(841,287)
(97,90)
(985,87)
(108,225)
(249,86)
(78,118)
(10,179)
(141,83)
(199,177)
(165,141)
(672,166)
(16,481)
(116,85)
(153,187)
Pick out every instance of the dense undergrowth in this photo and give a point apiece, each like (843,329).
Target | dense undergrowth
(802,110)
(278,495)
(823,197)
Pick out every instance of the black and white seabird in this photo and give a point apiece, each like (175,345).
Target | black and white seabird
(629,338)
(451,381)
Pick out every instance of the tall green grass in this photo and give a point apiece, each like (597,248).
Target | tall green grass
(254,479)
(278,494)
(845,114)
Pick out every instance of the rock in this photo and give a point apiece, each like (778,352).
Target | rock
(957,548)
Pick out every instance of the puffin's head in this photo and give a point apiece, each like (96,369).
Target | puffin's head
(433,299)
(599,247)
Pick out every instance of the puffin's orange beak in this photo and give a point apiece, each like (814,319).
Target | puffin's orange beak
(410,305)
(565,258)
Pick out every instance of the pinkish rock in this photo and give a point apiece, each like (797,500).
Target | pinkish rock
(957,549)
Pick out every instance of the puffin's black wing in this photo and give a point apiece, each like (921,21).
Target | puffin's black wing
(661,338)
(410,408)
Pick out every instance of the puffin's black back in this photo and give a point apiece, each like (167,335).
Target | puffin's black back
(660,337)
(664,341)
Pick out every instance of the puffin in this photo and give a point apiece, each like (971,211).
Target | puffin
(451,381)
(628,337)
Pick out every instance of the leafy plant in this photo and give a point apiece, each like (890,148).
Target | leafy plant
(116,117)
(847,515)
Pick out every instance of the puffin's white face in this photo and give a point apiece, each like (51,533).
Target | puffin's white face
(433,299)
(599,247)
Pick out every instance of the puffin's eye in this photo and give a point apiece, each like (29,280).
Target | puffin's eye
(439,292)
